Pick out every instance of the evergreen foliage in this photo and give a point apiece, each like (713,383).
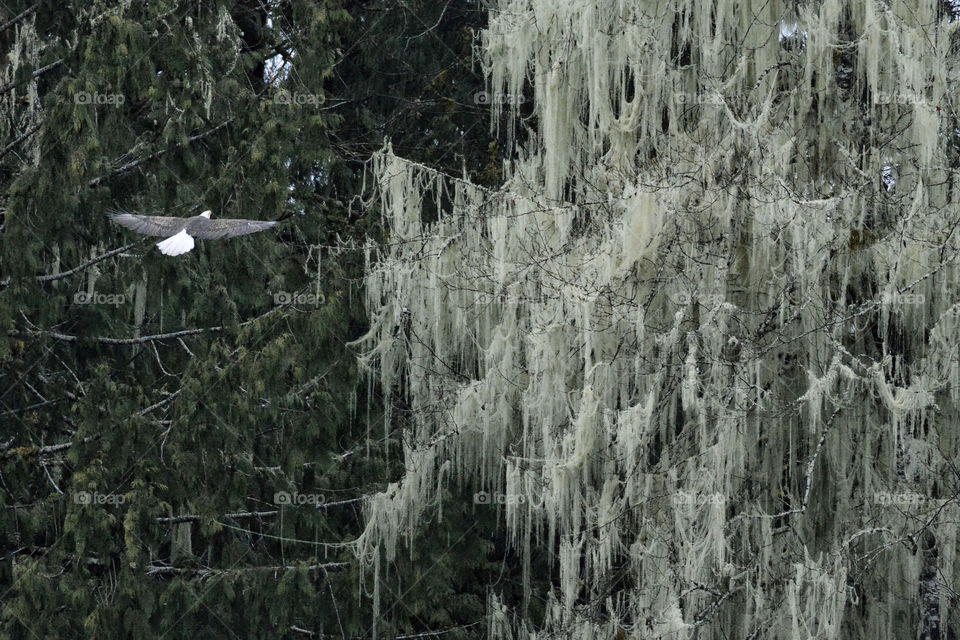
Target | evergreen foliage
(153,409)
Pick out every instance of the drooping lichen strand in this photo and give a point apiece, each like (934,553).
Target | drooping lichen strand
(707,329)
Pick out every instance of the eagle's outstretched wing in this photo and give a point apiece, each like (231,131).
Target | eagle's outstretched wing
(180,232)
(226,228)
(160,226)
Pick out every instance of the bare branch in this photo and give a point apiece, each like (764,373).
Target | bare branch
(132,341)
(36,74)
(242,515)
(157,570)
(17,18)
(52,277)
(23,136)
(88,263)
(133,164)
(159,404)
(251,515)
(34,451)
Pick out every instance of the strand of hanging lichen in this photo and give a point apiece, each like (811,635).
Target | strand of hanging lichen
(21,104)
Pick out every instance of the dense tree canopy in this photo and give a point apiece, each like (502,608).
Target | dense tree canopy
(581,319)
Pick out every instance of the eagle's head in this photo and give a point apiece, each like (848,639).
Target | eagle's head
(206,214)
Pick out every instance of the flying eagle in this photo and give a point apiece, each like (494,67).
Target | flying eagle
(180,232)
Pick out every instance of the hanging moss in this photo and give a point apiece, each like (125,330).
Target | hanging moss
(670,369)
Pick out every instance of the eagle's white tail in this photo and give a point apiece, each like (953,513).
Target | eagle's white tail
(175,245)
